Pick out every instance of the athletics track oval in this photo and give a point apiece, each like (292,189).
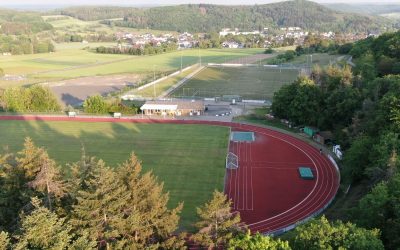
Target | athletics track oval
(266,188)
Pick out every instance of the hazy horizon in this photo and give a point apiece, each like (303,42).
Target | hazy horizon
(52,3)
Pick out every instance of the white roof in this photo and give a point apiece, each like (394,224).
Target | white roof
(159,106)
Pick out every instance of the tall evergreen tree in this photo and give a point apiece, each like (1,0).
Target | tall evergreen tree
(148,220)
(16,171)
(42,229)
(30,158)
(217,224)
(4,241)
(48,179)
(100,206)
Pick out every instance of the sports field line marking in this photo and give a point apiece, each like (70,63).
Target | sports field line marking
(275,168)
(242,197)
(236,180)
(318,200)
(312,191)
(331,172)
(250,187)
(281,162)
(251,181)
(245,179)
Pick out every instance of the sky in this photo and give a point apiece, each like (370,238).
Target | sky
(166,2)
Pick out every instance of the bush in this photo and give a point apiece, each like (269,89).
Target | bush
(269,51)
(98,105)
(33,99)
(95,105)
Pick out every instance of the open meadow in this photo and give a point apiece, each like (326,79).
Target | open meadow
(74,62)
(248,82)
(189,159)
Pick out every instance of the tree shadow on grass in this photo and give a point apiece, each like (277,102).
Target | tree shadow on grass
(160,148)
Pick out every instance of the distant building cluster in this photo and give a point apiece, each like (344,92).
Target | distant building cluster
(183,41)
(186,41)
(236,32)
(284,36)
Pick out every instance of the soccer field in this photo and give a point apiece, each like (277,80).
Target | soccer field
(248,82)
(189,159)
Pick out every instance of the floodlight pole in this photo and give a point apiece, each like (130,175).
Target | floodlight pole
(154,79)
(199,56)
(181,61)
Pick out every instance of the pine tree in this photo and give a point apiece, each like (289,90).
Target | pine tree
(4,241)
(217,224)
(30,159)
(148,220)
(14,192)
(99,208)
(48,179)
(43,229)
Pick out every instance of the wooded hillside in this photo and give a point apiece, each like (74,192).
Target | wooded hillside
(208,18)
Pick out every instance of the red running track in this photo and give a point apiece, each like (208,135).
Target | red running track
(266,188)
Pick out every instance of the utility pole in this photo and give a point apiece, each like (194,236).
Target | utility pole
(154,78)
(199,57)
(181,61)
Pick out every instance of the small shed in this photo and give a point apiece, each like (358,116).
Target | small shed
(323,136)
(310,131)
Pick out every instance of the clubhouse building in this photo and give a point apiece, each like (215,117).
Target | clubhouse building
(173,107)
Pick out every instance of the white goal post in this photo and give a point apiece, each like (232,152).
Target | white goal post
(232,161)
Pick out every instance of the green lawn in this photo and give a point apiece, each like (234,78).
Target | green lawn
(145,64)
(249,82)
(189,159)
(322,59)
(72,62)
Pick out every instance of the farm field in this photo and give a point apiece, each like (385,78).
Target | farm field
(248,82)
(70,63)
(189,159)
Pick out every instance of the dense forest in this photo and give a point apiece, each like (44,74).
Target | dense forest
(374,9)
(22,23)
(361,105)
(208,18)
(19,33)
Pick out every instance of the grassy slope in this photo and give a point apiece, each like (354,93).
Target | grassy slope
(189,159)
(257,83)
